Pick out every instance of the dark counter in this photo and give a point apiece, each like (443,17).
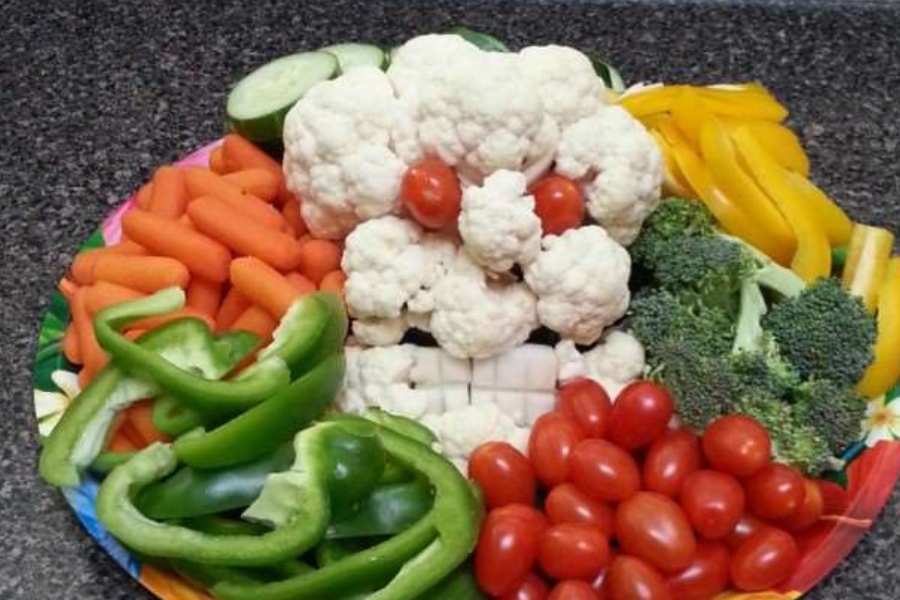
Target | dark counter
(95,94)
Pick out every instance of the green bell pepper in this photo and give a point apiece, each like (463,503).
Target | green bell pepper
(458,585)
(389,510)
(402,425)
(217,525)
(173,418)
(331,551)
(107,461)
(357,462)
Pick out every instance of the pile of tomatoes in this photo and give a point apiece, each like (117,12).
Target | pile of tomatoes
(630,509)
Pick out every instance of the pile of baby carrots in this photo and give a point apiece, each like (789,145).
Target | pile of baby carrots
(230,235)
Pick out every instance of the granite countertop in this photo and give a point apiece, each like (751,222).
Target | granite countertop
(95,94)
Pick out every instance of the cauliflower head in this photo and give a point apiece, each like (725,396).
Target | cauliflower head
(461,431)
(614,363)
(581,280)
(565,80)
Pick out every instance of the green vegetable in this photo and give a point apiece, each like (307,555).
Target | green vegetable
(610,76)
(402,425)
(836,410)
(173,418)
(332,551)
(481,40)
(352,55)
(356,461)
(107,461)
(217,525)
(458,585)
(389,510)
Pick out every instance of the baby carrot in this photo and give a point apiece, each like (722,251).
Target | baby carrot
(241,153)
(262,183)
(103,294)
(333,282)
(143,273)
(70,344)
(133,334)
(221,222)
(150,323)
(217,161)
(231,308)
(67,288)
(202,256)
(263,285)
(186,221)
(92,355)
(83,266)
(122,437)
(204,296)
(144,196)
(300,283)
(291,213)
(202,182)
(169,193)
(318,258)
(140,416)
(258,321)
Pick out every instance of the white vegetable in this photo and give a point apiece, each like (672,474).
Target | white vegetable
(614,363)
(565,79)
(379,332)
(460,432)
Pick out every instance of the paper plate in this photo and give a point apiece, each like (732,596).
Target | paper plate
(871,470)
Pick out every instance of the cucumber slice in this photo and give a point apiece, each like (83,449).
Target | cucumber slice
(258,103)
(609,75)
(357,55)
(483,41)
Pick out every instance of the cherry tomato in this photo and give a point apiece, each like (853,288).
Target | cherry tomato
(811,509)
(835,499)
(630,578)
(585,401)
(503,474)
(654,528)
(764,560)
(553,437)
(573,551)
(531,588)
(604,471)
(706,576)
(431,192)
(507,549)
(530,514)
(714,503)
(640,415)
(669,460)
(573,590)
(737,445)
(774,492)
(567,504)
(558,203)
(746,527)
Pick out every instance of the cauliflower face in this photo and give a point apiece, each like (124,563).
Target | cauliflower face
(619,165)
(497,222)
(566,81)
(379,332)
(581,280)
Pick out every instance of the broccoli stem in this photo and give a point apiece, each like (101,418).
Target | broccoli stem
(784,281)
(749,332)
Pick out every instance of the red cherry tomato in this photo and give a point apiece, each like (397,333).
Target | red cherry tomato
(835,499)
(558,203)
(737,445)
(585,401)
(553,437)
(531,588)
(669,460)
(530,514)
(774,492)
(431,192)
(573,590)
(653,527)
(507,549)
(604,471)
(810,511)
(640,415)
(567,504)
(706,576)
(630,578)
(503,474)
(746,527)
(573,551)
(764,560)
(714,503)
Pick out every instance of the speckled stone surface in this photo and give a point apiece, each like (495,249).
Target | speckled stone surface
(94,94)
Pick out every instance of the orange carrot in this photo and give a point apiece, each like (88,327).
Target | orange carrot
(92,355)
(70,345)
(202,256)
(231,308)
(122,436)
(263,285)
(241,153)
(142,273)
(333,282)
(144,196)
(262,183)
(140,416)
(83,266)
(84,377)
(169,193)
(318,258)
(221,222)
(186,221)
(204,296)
(67,288)
(151,323)
(217,162)
(300,283)
(103,294)
(202,182)
(133,334)
(291,213)
(256,320)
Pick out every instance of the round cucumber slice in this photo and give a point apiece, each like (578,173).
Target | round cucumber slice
(352,55)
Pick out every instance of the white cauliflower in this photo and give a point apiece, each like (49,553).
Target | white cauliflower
(614,363)
(566,81)
(476,318)
(581,280)
(379,332)
(461,431)
(619,165)
(497,222)
(347,144)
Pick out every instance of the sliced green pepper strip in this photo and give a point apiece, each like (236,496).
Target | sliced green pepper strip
(173,418)
(332,551)
(107,461)
(222,525)
(389,510)
(357,461)
(458,585)
(402,425)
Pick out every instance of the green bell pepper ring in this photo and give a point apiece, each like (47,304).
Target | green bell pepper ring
(458,585)
(222,525)
(402,425)
(107,461)
(332,551)
(173,418)
(389,510)
(357,463)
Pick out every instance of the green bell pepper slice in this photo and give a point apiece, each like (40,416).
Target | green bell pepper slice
(388,510)
(458,585)
(173,418)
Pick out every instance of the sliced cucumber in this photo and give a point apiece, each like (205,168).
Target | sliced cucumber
(484,41)
(609,75)
(258,103)
(357,55)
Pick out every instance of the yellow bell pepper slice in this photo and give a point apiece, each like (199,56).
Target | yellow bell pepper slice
(884,371)
(867,261)
(779,142)
(674,183)
(718,151)
(838,226)
(689,114)
(650,101)
(750,101)
(812,260)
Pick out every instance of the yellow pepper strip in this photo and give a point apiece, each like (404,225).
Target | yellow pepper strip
(779,142)
(884,371)
(650,101)
(867,260)
(812,259)
(718,151)
(674,183)
(689,114)
(752,101)
(838,226)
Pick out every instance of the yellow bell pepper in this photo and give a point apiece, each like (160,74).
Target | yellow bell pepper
(779,142)
(838,226)
(689,114)
(718,151)
(812,259)
(650,101)
(674,183)
(867,261)
(884,371)
(748,101)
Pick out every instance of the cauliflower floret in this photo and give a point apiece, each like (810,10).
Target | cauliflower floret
(375,376)
(460,431)
(619,165)
(581,280)
(614,363)
(565,78)
(497,222)
(476,319)
(380,332)
(342,155)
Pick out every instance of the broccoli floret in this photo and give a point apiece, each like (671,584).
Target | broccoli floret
(824,332)
(659,317)
(835,410)
(674,217)
(766,371)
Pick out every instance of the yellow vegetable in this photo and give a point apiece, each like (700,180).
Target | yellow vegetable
(750,101)
(718,151)
(674,183)
(650,101)
(867,261)
(689,114)
(780,142)
(812,259)
(884,371)
(837,224)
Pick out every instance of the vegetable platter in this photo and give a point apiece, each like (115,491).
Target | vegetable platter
(508,328)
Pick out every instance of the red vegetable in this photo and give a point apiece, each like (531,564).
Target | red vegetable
(604,471)
(714,503)
(553,437)
(506,551)
(630,578)
(640,415)
(670,460)
(654,528)
(810,511)
(775,492)
(706,576)
(431,192)
(531,588)
(585,401)
(573,551)
(558,203)
(764,560)
(503,474)
(573,590)
(737,445)
(567,504)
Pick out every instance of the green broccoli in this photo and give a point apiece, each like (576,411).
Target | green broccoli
(835,410)
(673,218)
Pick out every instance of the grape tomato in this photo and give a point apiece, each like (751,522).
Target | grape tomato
(604,471)
(654,528)
(553,437)
(640,415)
(558,203)
(810,511)
(706,576)
(573,551)
(775,492)
(531,588)
(503,473)
(631,578)
(585,401)
(746,527)
(507,549)
(764,560)
(714,502)
(670,460)
(737,445)
(573,590)
(567,504)
(431,192)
